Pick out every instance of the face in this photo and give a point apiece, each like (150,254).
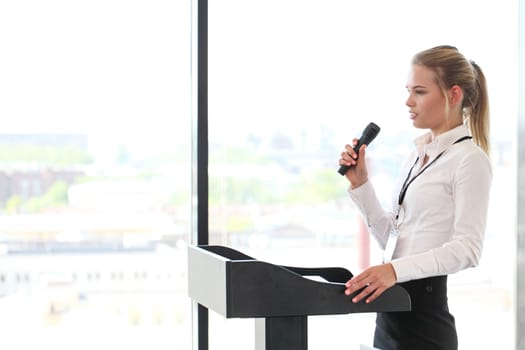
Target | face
(426,103)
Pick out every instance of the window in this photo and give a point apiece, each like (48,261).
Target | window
(95,174)
(290,83)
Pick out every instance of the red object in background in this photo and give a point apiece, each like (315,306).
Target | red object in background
(363,245)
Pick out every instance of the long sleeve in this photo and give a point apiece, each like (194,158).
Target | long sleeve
(377,219)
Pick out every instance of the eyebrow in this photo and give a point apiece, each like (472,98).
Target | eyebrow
(416,87)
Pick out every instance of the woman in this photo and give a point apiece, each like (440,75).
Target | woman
(438,223)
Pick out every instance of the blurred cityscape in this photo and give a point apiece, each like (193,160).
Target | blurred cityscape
(80,243)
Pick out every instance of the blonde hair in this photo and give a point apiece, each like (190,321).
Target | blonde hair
(452,68)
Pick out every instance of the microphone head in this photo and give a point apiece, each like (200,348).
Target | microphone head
(369,133)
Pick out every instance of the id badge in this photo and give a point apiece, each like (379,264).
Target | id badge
(391,243)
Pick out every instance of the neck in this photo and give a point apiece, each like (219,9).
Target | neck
(449,126)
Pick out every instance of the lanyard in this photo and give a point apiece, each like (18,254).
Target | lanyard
(408,181)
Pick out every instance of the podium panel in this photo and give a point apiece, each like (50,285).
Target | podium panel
(236,285)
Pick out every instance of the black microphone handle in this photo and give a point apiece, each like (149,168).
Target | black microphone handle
(344,168)
(368,136)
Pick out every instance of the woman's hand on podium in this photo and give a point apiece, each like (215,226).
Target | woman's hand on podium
(373,281)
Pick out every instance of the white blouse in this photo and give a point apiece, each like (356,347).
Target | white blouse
(442,218)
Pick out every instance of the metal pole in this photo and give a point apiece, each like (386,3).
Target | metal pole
(199,82)
(520,254)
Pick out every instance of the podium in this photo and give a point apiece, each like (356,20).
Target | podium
(280,298)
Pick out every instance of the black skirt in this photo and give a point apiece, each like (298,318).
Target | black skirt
(429,326)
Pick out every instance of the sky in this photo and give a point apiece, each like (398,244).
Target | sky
(120,70)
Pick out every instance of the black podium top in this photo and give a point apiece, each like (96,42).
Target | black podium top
(236,285)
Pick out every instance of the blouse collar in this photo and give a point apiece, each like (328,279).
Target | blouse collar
(426,146)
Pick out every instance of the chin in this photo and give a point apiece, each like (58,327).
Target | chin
(418,125)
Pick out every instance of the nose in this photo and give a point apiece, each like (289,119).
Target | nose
(409,101)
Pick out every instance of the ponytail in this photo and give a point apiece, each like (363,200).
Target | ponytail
(478,120)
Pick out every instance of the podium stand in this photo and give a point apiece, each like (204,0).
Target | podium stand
(280,298)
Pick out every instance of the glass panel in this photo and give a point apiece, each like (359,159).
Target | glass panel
(290,83)
(94,174)
(520,251)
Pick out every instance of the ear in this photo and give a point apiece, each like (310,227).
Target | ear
(455,94)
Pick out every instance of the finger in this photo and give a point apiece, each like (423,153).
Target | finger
(350,151)
(354,285)
(374,295)
(362,152)
(363,294)
(343,162)
(346,159)
(351,289)
(356,282)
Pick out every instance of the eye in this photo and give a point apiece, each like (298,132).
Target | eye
(416,91)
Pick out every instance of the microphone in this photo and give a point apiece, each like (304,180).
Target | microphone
(367,136)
